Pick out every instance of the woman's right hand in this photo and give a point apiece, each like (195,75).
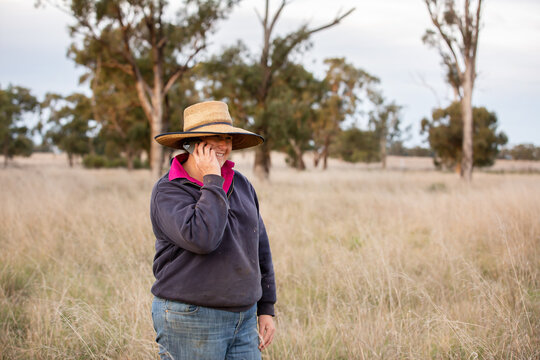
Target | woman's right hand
(205,159)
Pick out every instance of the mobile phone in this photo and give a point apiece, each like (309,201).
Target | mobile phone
(189,146)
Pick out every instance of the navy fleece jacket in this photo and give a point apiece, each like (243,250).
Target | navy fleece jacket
(211,247)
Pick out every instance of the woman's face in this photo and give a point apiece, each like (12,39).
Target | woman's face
(222,145)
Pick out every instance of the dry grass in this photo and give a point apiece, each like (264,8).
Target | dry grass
(369,264)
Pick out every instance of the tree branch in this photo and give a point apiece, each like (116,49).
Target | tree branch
(126,68)
(142,87)
(259,17)
(336,21)
(476,35)
(276,16)
(445,37)
(179,71)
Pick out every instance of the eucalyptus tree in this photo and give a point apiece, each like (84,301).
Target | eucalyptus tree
(295,100)
(274,56)
(346,88)
(445,135)
(254,85)
(15,102)
(234,76)
(385,121)
(132,34)
(69,123)
(114,101)
(356,145)
(456,34)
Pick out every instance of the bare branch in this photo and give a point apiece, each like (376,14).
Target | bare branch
(476,35)
(422,81)
(259,16)
(276,16)
(179,71)
(336,21)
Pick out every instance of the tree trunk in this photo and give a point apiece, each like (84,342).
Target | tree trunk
(467,114)
(316,158)
(70,159)
(129,159)
(156,150)
(299,163)
(325,151)
(261,166)
(383,151)
(166,154)
(157,99)
(6,153)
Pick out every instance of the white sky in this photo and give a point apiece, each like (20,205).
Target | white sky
(382,37)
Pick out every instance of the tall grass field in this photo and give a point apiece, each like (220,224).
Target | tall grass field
(370,264)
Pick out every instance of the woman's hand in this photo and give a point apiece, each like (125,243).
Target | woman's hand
(206,160)
(266,331)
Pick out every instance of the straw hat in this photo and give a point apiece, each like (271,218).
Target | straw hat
(206,119)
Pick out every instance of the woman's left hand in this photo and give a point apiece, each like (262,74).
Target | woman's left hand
(266,331)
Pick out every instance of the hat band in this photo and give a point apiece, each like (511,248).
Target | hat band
(208,124)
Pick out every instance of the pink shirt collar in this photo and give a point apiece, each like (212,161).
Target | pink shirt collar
(178,171)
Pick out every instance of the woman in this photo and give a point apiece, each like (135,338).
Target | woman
(213,266)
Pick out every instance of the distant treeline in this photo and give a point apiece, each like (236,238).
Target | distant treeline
(521,152)
(121,137)
(142,69)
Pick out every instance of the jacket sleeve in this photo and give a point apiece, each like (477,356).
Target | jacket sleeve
(196,226)
(265,305)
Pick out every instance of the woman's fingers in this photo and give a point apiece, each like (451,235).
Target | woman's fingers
(266,331)
(205,159)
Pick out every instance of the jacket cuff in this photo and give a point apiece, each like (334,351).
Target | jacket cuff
(265,308)
(213,179)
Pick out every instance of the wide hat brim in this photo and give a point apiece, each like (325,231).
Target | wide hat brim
(241,139)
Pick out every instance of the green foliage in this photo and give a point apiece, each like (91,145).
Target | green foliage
(522,152)
(345,87)
(300,111)
(182,94)
(140,164)
(94,161)
(398,149)
(289,109)
(265,75)
(15,101)
(145,52)
(69,123)
(385,121)
(234,77)
(445,134)
(355,145)
(297,94)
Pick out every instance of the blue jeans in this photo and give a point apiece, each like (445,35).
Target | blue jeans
(195,332)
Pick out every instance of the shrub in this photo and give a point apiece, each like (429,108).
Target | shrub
(93,161)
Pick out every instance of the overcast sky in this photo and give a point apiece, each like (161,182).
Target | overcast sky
(383,37)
